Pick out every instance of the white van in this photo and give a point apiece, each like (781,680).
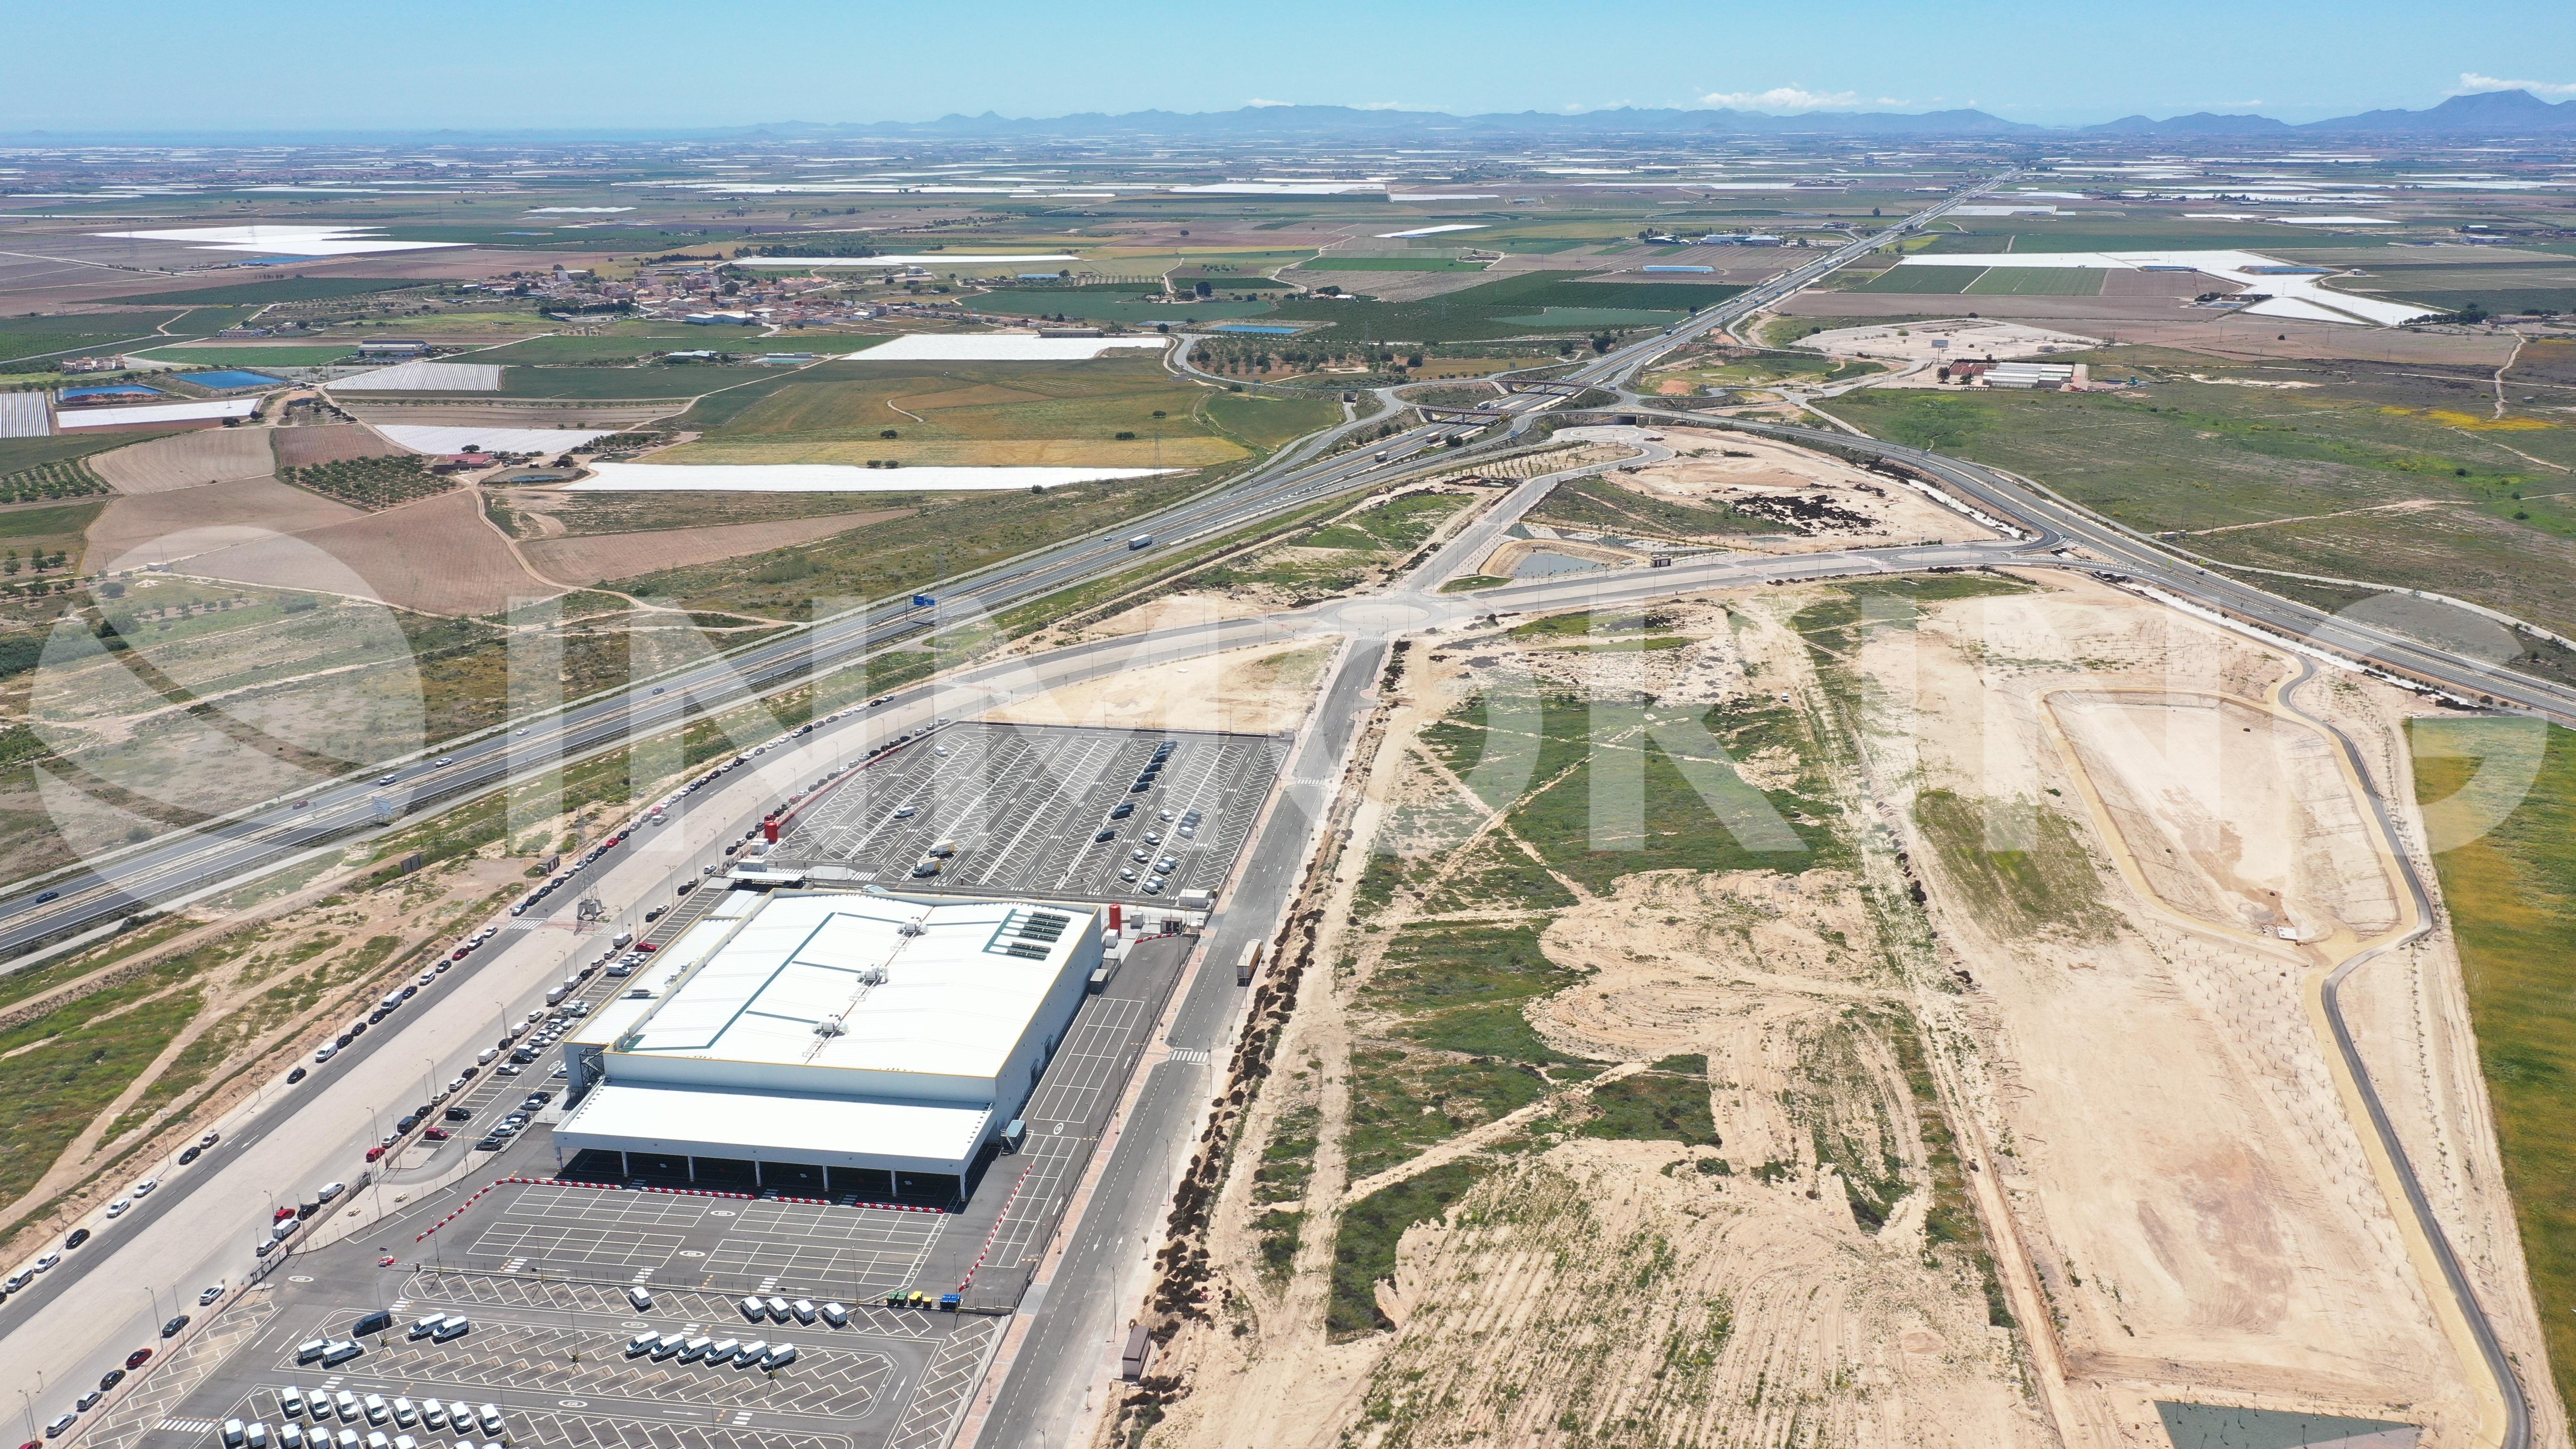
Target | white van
(290,1436)
(749,1353)
(695,1349)
(347,1405)
(424,1327)
(405,1413)
(312,1349)
(232,1433)
(291,1402)
(454,1325)
(377,1410)
(433,1414)
(835,1314)
(667,1345)
(779,1356)
(255,1436)
(802,1309)
(778,1310)
(491,1418)
(754,1309)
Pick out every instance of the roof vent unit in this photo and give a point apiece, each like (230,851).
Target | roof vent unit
(828,1026)
(912,928)
(873,975)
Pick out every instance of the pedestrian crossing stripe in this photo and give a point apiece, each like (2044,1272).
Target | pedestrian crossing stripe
(187,1426)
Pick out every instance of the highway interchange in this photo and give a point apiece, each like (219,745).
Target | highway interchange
(1063,1341)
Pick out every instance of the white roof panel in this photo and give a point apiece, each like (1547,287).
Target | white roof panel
(774,1126)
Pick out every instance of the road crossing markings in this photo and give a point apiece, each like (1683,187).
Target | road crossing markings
(187,1426)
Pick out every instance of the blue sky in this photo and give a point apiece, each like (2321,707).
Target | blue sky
(387,64)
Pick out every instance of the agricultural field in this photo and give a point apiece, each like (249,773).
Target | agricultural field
(30,337)
(1114,304)
(2033,282)
(370,483)
(2511,894)
(1106,413)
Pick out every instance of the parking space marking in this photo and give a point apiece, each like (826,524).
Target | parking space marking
(842,1381)
(485,1290)
(590,1431)
(1051,789)
(563,1243)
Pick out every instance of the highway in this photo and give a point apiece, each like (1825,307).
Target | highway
(1102,1263)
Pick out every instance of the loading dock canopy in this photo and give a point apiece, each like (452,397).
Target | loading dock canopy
(775,1127)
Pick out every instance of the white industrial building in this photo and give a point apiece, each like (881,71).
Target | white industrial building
(830,1042)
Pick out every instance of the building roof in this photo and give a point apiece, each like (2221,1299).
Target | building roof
(775,1127)
(860,982)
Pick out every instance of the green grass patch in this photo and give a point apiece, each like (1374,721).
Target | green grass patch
(2035,281)
(657,383)
(1364,1246)
(1938,281)
(2016,890)
(1263,422)
(28,337)
(1666,1103)
(2511,894)
(229,356)
(1104,304)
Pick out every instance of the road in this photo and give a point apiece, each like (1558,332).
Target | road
(160,1245)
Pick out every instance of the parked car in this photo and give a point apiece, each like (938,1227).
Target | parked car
(138,1358)
(171,1328)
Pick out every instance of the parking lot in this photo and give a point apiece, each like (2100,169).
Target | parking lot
(670,1239)
(1023,805)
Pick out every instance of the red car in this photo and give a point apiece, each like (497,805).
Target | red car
(373,1153)
(138,1358)
(283,1214)
(434,1134)
(646,946)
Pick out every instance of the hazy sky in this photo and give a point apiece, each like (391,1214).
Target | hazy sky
(374,64)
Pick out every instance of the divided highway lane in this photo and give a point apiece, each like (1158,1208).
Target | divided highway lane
(2125,552)
(180,865)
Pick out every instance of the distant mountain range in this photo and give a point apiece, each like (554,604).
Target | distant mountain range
(2495,115)
(2487,114)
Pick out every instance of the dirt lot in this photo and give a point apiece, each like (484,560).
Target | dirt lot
(1599,1282)
(2199,1210)
(187,460)
(183,522)
(588,560)
(329,443)
(1783,499)
(1978,337)
(2170,322)
(436,556)
(1260,690)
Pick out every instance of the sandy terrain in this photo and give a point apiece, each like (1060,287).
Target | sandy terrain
(1625,1291)
(1761,476)
(2200,1211)
(436,555)
(2235,815)
(329,443)
(183,522)
(1178,611)
(1967,337)
(2171,322)
(594,557)
(1264,689)
(187,460)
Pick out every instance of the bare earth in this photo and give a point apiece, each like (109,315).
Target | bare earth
(1259,690)
(435,555)
(181,523)
(2197,1206)
(329,443)
(594,557)
(187,460)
